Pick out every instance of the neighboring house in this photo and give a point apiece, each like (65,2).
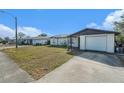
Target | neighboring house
(41,40)
(94,39)
(59,40)
(25,41)
(11,41)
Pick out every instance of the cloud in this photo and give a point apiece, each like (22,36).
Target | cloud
(29,31)
(112,17)
(92,25)
(108,22)
(6,31)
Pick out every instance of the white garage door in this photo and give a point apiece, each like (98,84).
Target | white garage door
(97,43)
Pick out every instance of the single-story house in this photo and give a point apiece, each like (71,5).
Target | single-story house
(42,40)
(25,41)
(59,40)
(93,39)
(11,41)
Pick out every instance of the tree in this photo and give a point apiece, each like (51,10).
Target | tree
(21,35)
(119,27)
(43,34)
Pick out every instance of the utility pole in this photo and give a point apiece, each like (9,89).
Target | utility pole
(16,25)
(16,34)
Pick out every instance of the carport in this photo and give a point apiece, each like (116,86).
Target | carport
(94,40)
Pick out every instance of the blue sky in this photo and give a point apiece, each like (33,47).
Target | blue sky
(57,21)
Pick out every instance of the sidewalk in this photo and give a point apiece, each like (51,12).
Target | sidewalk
(5,47)
(10,72)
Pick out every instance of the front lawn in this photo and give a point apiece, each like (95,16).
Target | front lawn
(38,60)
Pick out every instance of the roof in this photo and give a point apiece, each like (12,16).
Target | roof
(90,31)
(60,36)
(38,37)
(41,37)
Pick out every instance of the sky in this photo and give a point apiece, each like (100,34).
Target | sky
(57,21)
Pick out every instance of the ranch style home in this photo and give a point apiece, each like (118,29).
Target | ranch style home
(93,39)
(59,40)
(86,39)
(40,40)
(43,40)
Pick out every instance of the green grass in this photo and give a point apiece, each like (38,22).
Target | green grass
(38,60)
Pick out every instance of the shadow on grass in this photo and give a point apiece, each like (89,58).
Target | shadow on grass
(75,52)
(56,46)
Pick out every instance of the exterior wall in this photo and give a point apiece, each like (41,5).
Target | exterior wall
(62,41)
(59,41)
(82,42)
(27,42)
(24,41)
(109,42)
(75,42)
(39,41)
(12,41)
(53,41)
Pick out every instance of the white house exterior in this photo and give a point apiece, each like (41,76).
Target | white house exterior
(95,40)
(75,42)
(59,40)
(40,40)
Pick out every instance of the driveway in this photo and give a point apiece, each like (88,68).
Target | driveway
(88,67)
(10,72)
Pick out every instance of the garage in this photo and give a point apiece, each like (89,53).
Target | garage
(95,40)
(96,43)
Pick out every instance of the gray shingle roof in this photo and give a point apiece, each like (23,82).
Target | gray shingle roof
(39,37)
(90,31)
(59,36)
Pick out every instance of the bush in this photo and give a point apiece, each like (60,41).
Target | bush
(3,42)
(59,46)
(120,38)
(38,44)
(48,43)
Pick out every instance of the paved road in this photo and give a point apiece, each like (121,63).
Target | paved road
(10,72)
(5,47)
(88,67)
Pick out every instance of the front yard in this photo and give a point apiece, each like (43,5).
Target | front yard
(38,60)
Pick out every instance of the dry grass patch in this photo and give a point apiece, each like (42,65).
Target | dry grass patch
(38,60)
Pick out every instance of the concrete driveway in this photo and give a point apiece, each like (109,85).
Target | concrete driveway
(10,72)
(88,67)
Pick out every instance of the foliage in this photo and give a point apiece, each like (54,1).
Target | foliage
(21,35)
(120,38)
(119,27)
(43,34)
(48,43)
(4,42)
(38,44)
